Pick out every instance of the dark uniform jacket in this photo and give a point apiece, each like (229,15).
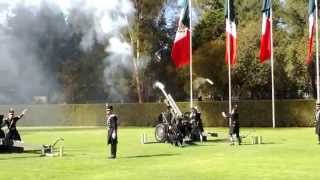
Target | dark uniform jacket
(170,117)
(317,116)
(196,118)
(13,134)
(234,126)
(112,125)
(1,125)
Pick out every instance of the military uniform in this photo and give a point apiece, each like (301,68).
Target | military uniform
(317,116)
(196,125)
(13,133)
(170,116)
(196,117)
(112,137)
(2,135)
(234,125)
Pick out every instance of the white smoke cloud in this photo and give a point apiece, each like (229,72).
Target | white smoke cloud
(119,62)
(109,15)
(172,12)
(107,19)
(199,81)
(21,75)
(118,47)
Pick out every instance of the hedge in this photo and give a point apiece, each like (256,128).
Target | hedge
(289,113)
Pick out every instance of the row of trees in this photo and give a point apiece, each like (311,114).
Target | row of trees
(79,74)
(250,78)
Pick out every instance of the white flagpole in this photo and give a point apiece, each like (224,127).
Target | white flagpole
(190,49)
(272,69)
(229,60)
(317,53)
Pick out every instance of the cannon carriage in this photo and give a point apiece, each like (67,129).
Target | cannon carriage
(12,144)
(8,145)
(176,127)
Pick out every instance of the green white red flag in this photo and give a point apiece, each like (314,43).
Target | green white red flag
(312,22)
(265,41)
(231,32)
(180,52)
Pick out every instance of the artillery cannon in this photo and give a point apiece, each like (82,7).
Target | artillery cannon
(11,145)
(176,127)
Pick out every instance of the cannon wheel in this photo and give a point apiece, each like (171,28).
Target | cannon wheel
(161,133)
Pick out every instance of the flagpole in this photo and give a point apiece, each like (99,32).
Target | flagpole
(229,60)
(317,53)
(190,49)
(272,69)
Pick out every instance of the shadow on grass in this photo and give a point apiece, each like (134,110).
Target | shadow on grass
(34,155)
(26,154)
(223,140)
(266,143)
(153,142)
(186,143)
(149,156)
(195,143)
(212,142)
(28,131)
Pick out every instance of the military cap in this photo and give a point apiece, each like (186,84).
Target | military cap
(11,110)
(109,107)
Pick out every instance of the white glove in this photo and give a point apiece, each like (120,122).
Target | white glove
(24,111)
(113,135)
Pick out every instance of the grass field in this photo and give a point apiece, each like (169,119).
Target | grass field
(290,153)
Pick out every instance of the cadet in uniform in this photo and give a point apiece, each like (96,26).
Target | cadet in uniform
(11,122)
(317,116)
(196,124)
(170,117)
(112,125)
(2,135)
(234,125)
(195,115)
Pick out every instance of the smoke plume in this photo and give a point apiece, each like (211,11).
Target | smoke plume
(28,34)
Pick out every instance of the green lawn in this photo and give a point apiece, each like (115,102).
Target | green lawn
(290,153)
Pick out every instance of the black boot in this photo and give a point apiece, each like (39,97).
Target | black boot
(113,151)
(238,139)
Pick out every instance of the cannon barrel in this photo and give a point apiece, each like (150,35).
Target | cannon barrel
(169,98)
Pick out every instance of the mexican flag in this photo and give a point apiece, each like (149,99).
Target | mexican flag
(231,32)
(312,18)
(265,41)
(180,52)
